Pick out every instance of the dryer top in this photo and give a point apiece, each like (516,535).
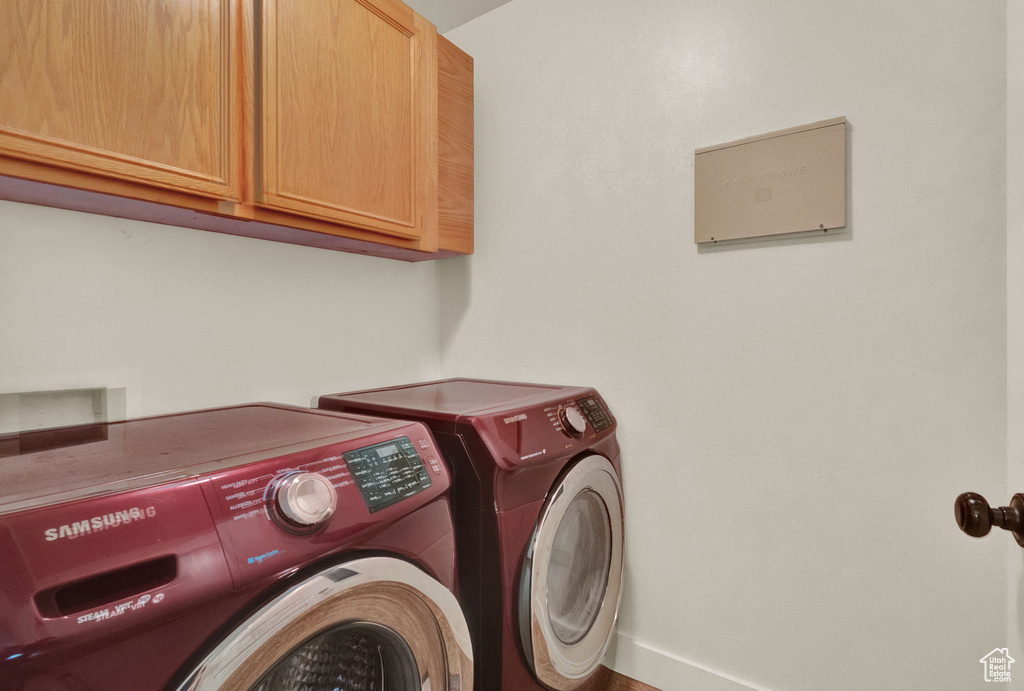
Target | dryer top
(455,397)
(70,461)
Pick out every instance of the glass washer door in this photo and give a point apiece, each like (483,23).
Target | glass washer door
(572,576)
(373,624)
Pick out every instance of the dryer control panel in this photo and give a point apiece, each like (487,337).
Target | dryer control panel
(520,424)
(538,434)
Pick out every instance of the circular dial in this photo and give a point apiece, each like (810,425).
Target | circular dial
(572,421)
(305,499)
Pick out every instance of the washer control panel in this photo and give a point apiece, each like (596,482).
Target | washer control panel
(274,514)
(595,412)
(572,421)
(387,473)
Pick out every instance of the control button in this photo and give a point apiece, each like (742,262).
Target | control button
(305,499)
(572,421)
(435,465)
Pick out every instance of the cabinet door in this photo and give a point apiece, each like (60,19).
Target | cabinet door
(138,90)
(347,114)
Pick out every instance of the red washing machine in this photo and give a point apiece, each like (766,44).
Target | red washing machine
(538,511)
(260,547)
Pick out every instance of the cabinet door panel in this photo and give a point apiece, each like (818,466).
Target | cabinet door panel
(348,114)
(139,90)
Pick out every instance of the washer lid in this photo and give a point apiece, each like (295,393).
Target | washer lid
(42,467)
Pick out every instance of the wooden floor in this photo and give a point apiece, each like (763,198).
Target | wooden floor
(607,680)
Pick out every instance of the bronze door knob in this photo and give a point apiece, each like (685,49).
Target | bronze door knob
(976,518)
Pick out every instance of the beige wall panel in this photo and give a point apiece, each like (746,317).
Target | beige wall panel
(783,182)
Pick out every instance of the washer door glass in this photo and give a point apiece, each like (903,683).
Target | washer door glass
(373,624)
(357,656)
(578,567)
(572,576)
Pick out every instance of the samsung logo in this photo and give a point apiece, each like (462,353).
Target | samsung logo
(515,418)
(98,524)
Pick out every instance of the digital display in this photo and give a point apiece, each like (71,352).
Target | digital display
(595,412)
(387,473)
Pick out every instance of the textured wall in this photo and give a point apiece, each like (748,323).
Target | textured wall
(1015,310)
(797,416)
(186,319)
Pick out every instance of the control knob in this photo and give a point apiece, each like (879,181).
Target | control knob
(304,500)
(572,421)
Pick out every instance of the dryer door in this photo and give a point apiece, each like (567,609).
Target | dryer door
(572,576)
(375,624)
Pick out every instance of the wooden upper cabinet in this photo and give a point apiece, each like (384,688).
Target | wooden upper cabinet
(454,148)
(346,122)
(134,90)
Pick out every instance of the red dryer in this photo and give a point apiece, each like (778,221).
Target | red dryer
(259,547)
(537,501)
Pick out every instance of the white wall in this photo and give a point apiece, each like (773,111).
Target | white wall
(186,319)
(796,416)
(1015,309)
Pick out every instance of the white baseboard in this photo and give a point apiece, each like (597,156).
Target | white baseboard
(666,671)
